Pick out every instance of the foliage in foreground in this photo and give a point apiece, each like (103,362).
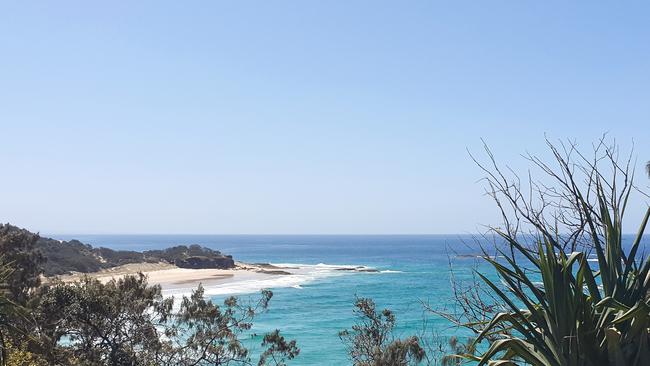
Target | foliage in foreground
(371,341)
(24,263)
(581,313)
(8,309)
(128,322)
(122,322)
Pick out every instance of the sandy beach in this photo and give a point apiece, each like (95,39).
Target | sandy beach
(244,278)
(171,277)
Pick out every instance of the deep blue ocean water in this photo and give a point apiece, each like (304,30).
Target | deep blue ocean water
(415,270)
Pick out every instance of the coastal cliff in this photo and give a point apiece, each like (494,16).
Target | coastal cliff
(65,257)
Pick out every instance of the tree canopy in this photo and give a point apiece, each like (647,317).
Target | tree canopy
(124,322)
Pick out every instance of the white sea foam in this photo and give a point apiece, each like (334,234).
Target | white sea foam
(251,282)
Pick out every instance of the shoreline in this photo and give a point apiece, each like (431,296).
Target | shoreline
(243,278)
(170,276)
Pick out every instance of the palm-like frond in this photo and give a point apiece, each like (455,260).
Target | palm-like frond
(580,315)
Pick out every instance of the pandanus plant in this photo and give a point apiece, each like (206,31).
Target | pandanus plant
(563,307)
(579,315)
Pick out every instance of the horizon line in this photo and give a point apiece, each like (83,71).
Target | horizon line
(265,234)
(278,234)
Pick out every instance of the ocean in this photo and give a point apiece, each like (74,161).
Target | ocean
(313,307)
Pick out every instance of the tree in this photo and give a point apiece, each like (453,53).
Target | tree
(457,348)
(103,324)
(128,322)
(7,310)
(371,342)
(20,270)
(18,248)
(279,350)
(13,322)
(203,333)
(552,306)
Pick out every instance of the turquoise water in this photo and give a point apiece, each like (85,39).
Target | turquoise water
(414,269)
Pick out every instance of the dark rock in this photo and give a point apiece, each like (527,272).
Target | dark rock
(370,270)
(274,272)
(358,269)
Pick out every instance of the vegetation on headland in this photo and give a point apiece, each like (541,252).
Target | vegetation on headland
(63,257)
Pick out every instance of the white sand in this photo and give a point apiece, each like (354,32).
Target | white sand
(244,278)
(168,276)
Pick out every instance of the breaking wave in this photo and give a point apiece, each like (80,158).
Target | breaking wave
(251,282)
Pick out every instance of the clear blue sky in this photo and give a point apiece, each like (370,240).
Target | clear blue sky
(299,116)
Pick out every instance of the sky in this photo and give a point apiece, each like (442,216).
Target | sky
(301,117)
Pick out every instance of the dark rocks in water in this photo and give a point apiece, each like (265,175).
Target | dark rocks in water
(271,266)
(274,272)
(370,270)
(358,269)
(199,262)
